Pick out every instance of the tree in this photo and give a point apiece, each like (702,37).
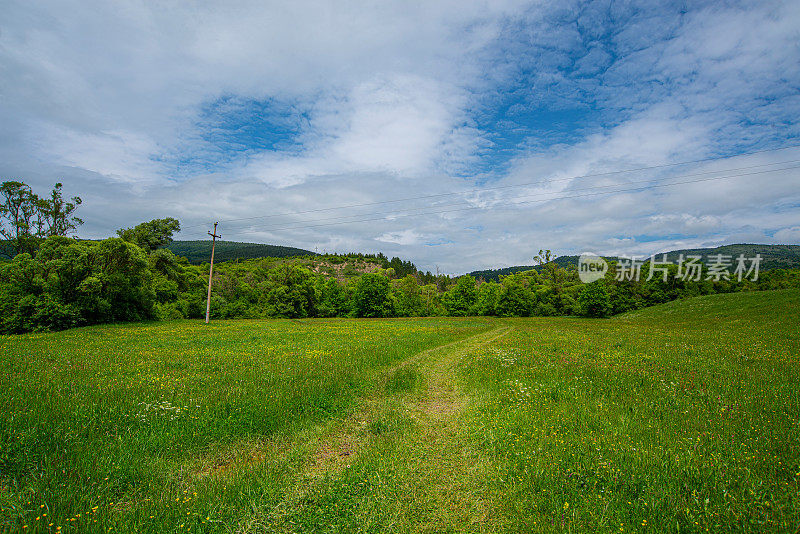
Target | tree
(407,296)
(56,214)
(125,281)
(151,235)
(594,300)
(26,219)
(16,215)
(72,283)
(371,296)
(460,301)
(332,299)
(544,257)
(516,298)
(488,295)
(292,294)
(431,299)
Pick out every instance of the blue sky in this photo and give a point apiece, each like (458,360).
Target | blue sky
(229,128)
(253,109)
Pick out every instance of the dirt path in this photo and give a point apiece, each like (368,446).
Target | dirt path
(441,400)
(443,472)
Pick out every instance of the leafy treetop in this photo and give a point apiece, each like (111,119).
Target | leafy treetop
(26,219)
(151,235)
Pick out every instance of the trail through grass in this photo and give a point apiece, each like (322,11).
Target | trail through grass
(169,427)
(680,418)
(411,441)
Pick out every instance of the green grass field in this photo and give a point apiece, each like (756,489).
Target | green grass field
(683,418)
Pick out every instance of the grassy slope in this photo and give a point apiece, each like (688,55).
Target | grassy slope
(680,417)
(685,415)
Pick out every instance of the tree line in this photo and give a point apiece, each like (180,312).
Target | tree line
(56,281)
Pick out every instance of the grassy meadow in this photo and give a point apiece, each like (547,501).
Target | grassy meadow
(683,417)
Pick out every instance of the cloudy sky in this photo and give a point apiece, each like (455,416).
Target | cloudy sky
(460,134)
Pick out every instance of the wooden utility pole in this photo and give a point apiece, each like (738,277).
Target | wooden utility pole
(214,237)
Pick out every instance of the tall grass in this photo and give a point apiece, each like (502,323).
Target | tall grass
(683,418)
(103,426)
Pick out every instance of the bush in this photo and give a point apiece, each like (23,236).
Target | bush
(594,301)
(71,283)
(371,296)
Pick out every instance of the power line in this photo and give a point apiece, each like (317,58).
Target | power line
(407,211)
(401,215)
(541,182)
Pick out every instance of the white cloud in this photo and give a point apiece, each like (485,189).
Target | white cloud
(788,235)
(117,155)
(405,237)
(108,98)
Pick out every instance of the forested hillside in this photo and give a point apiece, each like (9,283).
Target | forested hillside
(200,251)
(773,257)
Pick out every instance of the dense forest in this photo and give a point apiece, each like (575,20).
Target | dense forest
(55,282)
(200,251)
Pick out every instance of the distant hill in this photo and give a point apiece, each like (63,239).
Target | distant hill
(773,257)
(200,251)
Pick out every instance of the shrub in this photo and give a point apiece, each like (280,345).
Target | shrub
(594,301)
(371,296)
(71,283)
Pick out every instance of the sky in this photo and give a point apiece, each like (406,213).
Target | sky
(461,135)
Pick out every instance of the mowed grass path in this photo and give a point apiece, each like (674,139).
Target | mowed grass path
(117,426)
(682,418)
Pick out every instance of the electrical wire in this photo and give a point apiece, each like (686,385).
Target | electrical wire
(405,213)
(355,218)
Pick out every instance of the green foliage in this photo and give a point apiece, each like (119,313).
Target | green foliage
(151,235)
(371,296)
(291,292)
(773,257)
(332,299)
(66,283)
(516,297)
(487,299)
(198,252)
(460,300)
(544,257)
(125,282)
(71,283)
(171,288)
(407,296)
(400,268)
(56,214)
(16,215)
(26,219)
(432,300)
(594,300)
